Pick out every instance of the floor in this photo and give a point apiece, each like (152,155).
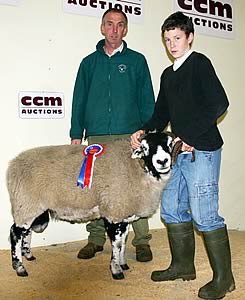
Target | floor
(57,274)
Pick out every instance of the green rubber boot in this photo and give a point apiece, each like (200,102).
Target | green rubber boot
(182,247)
(219,254)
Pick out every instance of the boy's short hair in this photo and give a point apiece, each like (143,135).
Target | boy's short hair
(115,10)
(178,20)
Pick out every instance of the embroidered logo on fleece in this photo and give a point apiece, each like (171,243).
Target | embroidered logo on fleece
(122,68)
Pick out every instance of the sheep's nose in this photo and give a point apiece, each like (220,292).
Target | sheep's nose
(162,162)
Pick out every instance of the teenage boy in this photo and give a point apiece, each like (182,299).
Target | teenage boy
(191,99)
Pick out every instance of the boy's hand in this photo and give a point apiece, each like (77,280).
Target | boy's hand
(135,139)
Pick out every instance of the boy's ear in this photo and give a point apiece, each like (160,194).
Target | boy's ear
(190,38)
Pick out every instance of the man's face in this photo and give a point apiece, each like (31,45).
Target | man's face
(177,42)
(114,28)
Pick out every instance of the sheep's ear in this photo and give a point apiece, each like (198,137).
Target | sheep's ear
(170,143)
(175,151)
(137,153)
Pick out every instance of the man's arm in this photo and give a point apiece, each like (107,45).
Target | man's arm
(146,93)
(79,103)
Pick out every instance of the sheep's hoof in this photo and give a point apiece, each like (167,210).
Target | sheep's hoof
(118,276)
(21,271)
(125,267)
(22,274)
(30,257)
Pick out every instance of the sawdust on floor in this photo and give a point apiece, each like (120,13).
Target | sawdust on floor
(57,273)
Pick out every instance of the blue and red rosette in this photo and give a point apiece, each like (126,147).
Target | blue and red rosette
(86,173)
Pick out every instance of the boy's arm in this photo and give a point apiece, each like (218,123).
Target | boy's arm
(215,101)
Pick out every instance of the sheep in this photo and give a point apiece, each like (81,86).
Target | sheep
(42,183)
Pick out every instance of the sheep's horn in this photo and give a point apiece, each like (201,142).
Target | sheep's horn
(142,137)
(175,151)
(193,155)
(171,134)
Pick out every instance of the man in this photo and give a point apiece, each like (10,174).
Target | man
(191,99)
(113,97)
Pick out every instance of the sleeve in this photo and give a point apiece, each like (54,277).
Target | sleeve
(146,96)
(160,118)
(79,103)
(214,103)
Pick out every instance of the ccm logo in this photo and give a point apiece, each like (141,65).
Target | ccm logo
(41,101)
(207,7)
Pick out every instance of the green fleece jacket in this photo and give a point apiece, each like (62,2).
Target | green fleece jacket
(112,95)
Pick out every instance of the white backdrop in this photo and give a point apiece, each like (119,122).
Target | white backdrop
(41,49)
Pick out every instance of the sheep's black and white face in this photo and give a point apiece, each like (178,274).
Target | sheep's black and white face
(155,150)
(161,161)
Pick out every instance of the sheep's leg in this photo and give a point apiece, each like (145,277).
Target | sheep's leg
(16,237)
(118,235)
(26,245)
(122,258)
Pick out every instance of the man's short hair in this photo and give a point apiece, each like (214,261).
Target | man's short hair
(178,20)
(115,10)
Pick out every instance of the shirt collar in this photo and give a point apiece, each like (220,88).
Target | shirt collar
(179,61)
(119,49)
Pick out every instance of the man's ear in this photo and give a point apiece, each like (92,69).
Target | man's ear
(137,153)
(102,29)
(125,31)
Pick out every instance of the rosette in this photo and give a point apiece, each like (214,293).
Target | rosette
(86,173)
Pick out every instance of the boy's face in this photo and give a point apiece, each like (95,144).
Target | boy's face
(177,42)
(114,28)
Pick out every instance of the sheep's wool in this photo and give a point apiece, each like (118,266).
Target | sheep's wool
(46,178)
